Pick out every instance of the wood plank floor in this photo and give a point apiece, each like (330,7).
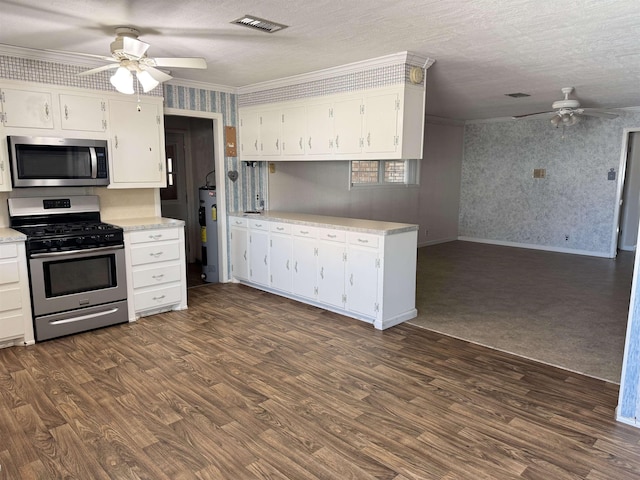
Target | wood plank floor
(248,385)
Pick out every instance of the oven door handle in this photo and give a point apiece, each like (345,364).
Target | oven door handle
(73,252)
(83,317)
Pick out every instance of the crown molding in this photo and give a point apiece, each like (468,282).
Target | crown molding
(67,58)
(387,60)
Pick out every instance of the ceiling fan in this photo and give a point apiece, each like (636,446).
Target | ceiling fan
(129,56)
(567,112)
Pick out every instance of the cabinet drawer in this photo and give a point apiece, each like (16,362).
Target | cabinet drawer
(9,272)
(258,224)
(157,297)
(304,231)
(146,277)
(276,227)
(8,250)
(332,235)
(158,235)
(364,239)
(10,299)
(238,222)
(160,252)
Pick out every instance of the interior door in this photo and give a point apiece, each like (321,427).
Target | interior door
(173,198)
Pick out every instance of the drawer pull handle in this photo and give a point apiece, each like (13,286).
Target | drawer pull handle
(158,277)
(322,273)
(155,237)
(304,232)
(351,280)
(258,225)
(159,298)
(295,267)
(331,236)
(287,264)
(280,228)
(363,240)
(265,259)
(156,254)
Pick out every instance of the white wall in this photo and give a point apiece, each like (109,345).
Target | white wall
(323,188)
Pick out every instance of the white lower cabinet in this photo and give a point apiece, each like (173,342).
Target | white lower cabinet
(156,271)
(259,252)
(368,276)
(280,257)
(16,327)
(239,248)
(304,258)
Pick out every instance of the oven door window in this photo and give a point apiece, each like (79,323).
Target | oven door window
(66,277)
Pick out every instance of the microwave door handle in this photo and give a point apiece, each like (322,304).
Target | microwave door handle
(94,162)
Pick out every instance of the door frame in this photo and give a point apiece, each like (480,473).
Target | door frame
(622,176)
(218,153)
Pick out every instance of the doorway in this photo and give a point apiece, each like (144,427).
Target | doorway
(194,143)
(630,203)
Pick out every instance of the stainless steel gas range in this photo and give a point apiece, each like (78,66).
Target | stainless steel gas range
(76,264)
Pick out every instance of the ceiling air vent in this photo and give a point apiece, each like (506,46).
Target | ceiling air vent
(259,24)
(517,95)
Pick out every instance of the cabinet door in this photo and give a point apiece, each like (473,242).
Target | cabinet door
(362,280)
(5,171)
(304,266)
(294,131)
(280,265)
(239,253)
(270,131)
(259,256)
(83,113)
(381,123)
(137,139)
(331,260)
(24,108)
(347,126)
(319,129)
(249,134)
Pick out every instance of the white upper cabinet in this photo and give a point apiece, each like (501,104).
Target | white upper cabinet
(376,124)
(136,144)
(294,131)
(26,108)
(83,113)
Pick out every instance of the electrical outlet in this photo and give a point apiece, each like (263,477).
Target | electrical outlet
(566,238)
(426,232)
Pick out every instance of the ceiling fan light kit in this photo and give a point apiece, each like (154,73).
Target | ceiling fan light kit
(129,56)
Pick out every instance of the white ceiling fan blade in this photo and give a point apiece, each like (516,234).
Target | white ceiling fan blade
(184,62)
(157,75)
(99,69)
(134,47)
(533,115)
(597,113)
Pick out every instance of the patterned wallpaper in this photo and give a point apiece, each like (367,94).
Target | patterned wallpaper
(351,82)
(501,201)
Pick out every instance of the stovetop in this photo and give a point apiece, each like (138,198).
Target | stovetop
(66,229)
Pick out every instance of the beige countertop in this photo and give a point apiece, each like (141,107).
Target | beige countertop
(341,223)
(145,223)
(8,235)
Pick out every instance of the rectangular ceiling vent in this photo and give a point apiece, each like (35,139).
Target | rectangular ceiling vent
(517,95)
(259,24)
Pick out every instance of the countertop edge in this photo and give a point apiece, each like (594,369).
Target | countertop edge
(145,223)
(9,235)
(339,223)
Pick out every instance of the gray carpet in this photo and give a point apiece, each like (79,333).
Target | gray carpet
(564,310)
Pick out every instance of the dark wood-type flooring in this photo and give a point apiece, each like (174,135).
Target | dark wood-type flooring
(248,385)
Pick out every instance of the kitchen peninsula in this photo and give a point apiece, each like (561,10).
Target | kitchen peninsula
(364,269)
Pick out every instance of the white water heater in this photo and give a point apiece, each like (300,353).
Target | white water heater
(208,219)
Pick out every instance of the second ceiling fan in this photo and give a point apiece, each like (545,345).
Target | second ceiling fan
(129,57)
(567,112)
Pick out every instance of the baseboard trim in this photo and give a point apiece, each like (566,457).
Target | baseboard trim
(436,242)
(531,246)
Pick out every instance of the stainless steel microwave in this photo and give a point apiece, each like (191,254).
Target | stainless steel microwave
(58,162)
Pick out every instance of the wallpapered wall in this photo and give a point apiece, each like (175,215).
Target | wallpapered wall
(501,201)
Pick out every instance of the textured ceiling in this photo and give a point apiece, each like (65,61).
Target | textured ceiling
(483,48)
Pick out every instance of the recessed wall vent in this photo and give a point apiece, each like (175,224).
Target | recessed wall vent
(259,24)
(517,95)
